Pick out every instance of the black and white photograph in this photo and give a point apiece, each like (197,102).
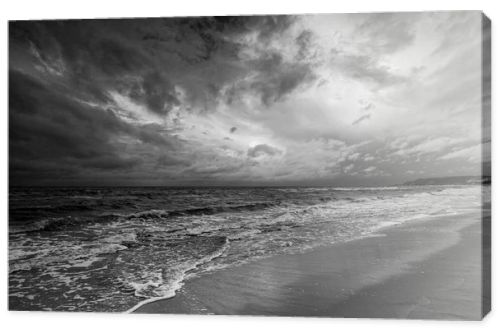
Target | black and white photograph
(309,165)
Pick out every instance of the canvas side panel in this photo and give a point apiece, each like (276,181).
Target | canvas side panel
(486,164)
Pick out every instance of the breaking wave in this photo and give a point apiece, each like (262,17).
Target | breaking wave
(210,210)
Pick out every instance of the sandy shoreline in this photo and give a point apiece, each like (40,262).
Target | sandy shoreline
(423,269)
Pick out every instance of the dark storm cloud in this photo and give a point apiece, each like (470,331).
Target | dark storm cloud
(210,47)
(156,92)
(144,59)
(64,118)
(49,128)
(273,78)
(304,42)
(274,85)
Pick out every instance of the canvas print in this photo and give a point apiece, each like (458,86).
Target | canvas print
(329,165)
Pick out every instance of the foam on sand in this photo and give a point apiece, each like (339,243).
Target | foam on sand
(167,290)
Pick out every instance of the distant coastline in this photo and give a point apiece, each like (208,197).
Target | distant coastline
(450,180)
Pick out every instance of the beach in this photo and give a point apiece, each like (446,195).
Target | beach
(428,268)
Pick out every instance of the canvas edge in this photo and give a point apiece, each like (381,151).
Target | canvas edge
(486,167)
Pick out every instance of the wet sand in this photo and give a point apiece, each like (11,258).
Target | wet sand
(427,269)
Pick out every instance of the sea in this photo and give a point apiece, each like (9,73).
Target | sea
(112,249)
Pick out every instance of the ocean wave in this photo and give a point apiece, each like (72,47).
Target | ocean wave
(59,223)
(38,225)
(209,210)
(22,211)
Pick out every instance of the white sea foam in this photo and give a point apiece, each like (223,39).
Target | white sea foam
(166,290)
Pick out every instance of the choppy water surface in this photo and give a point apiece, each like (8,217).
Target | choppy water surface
(108,249)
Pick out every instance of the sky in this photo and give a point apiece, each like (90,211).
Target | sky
(331,99)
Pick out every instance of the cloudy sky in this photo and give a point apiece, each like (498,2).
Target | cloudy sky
(358,99)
